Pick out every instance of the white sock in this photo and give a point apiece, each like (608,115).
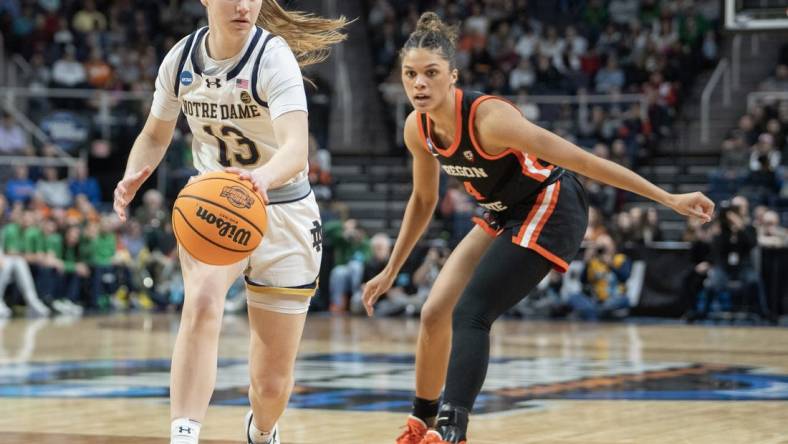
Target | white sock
(259,437)
(184,431)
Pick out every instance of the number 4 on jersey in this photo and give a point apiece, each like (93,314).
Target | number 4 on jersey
(473,191)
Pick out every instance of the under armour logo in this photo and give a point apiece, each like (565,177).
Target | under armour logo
(182,429)
(216,83)
(317,235)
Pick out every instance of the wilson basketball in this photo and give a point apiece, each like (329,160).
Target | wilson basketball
(218,218)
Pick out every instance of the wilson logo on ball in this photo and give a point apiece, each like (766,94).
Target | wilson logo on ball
(226,229)
(237,196)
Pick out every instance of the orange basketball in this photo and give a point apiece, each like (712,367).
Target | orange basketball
(218,218)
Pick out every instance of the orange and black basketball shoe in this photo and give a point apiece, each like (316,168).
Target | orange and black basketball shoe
(414,432)
(434,437)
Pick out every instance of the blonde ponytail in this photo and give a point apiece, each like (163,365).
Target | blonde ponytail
(309,36)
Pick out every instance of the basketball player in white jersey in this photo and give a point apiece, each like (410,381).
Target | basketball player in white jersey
(242,92)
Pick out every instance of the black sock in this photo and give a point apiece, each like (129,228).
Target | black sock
(425,409)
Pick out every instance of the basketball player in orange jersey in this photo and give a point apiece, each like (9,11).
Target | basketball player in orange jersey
(241,89)
(537,214)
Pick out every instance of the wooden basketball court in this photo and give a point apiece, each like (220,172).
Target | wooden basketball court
(104,380)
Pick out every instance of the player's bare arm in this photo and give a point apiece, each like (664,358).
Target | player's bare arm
(496,132)
(145,156)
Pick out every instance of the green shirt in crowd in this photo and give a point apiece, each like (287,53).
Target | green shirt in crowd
(102,249)
(12,238)
(345,249)
(53,243)
(33,240)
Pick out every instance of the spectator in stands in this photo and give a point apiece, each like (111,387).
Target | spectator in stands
(735,156)
(477,22)
(424,277)
(764,151)
(33,241)
(775,129)
(527,44)
(152,214)
(50,267)
(13,140)
(130,261)
(456,208)
(623,12)
(770,233)
(319,170)
(575,43)
(98,71)
(604,281)
(351,251)
(88,19)
(395,301)
(710,49)
(82,183)
(67,72)
(779,81)
(732,257)
(13,264)
(601,196)
(529,109)
(76,270)
(596,225)
(610,79)
(624,232)
(746,129)
(651,232)
(699,235)
(522,76)
(102,245)
(54,192)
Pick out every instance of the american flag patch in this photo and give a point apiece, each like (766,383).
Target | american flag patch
(242,83)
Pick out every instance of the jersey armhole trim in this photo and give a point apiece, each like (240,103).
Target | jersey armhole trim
(256,71)
(530,165)
(184,54)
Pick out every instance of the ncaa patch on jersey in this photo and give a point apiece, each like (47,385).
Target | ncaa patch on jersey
(246,98)
(186,78)
(468,155)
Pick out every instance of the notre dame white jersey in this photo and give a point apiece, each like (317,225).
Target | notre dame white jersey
(230,104)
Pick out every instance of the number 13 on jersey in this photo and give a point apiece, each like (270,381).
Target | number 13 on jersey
(222,134)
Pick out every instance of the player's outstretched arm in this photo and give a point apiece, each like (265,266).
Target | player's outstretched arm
(501,125)
(145,156)
(418,214)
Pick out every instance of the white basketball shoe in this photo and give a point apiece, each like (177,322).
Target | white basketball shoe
(248,425)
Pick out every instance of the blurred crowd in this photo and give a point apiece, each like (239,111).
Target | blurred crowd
(754,155)
(521,48)
(65,255)
(63,250)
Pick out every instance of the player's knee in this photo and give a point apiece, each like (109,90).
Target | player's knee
(203,310)
(466,317)
(435,318)
(266,386)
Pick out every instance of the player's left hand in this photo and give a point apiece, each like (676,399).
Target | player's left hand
(693,204)
(259,180)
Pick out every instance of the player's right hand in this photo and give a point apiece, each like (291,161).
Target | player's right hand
(376,287)
(126,189)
